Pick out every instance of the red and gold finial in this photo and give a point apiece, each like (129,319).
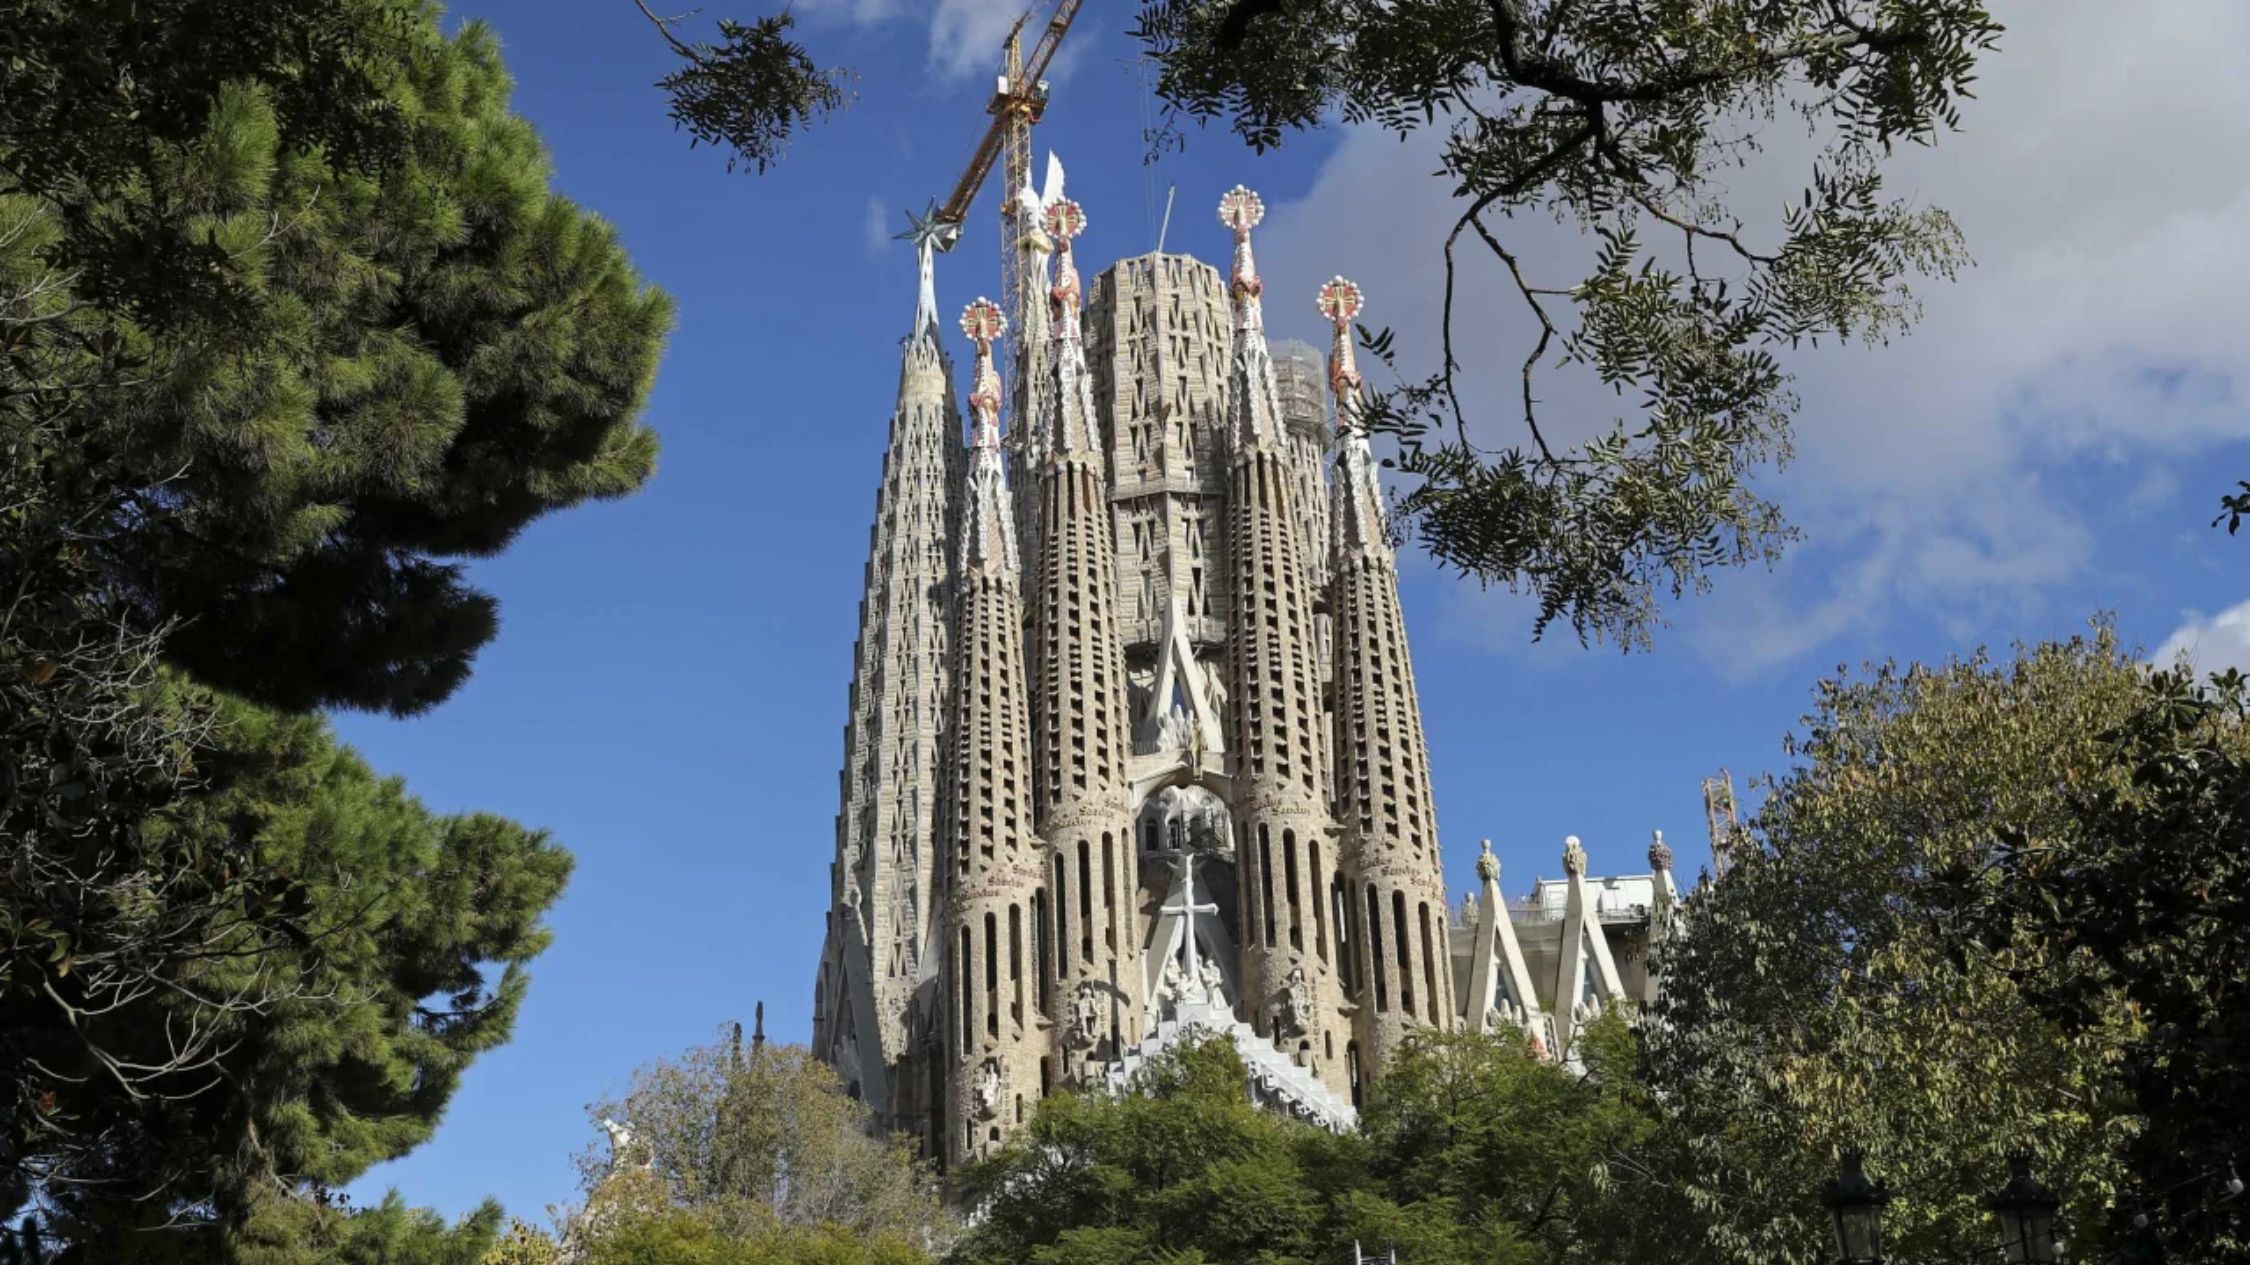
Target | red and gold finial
(1064,221)
(984,323)
(1241,210)
(1340,301)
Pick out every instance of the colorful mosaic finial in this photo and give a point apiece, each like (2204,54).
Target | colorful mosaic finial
(984,323)
(1065,221)
(1340,301)
(1241,210)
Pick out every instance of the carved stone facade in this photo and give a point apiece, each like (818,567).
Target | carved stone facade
(1176,735)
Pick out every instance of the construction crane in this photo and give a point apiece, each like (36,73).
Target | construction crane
(1018,100)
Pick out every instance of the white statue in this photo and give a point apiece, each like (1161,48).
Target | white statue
(1172,731)
(1082,1028)
(621,1146)
(1170,985)
(1289,1012)
(990,1088)
(1213,984)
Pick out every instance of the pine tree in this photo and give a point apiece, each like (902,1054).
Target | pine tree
(339,984)
(291,324)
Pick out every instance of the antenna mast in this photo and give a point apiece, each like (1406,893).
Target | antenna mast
(1169,190)
(1725,825)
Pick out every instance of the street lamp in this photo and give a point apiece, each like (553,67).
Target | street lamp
(2027,1217)
(1857,1206)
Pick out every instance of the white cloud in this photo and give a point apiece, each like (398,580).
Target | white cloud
(2102,321)
(965,35)
(878,228)
(2211,644)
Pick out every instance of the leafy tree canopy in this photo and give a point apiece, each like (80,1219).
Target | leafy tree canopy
(290,323)
(2139,905)
(750,92)
(757,1146)
(337,984)
(1625,118)
(1471,1151)
(1828,993)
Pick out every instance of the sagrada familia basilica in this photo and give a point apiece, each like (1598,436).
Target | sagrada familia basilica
(1134,749)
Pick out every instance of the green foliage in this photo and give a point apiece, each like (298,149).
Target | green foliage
(292,328)
(1829,994)
(682,1236)
(756,1145)
(286,1231)
(751,91)
(1624,118)
(1471,1151)
(523,1245)
(2140,905)
(318,1023)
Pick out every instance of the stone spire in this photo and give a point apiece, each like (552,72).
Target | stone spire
(1285,850)
(993,905)
(1586,979)
(1033,391)
(1382,770)
(1256,414)
(883,908)
(1081,704)
(1358,514)
(988,534)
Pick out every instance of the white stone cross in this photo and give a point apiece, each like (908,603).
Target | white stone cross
(1187,909)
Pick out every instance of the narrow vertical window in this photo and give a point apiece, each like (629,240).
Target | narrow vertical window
(1405,952)
(1015,960)
(1296,908)
(1320,898)
(1085,903)
(991,975)
(1265,866)
(1062,916)
(963,972)
(1429,966)
(1041,946)
(1375,969)
(1109,893)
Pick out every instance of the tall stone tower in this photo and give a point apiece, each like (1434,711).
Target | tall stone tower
(997,1031)
(882,906)
(1146,649)
(1382,766)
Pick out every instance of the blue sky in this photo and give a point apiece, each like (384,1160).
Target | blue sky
(667,692)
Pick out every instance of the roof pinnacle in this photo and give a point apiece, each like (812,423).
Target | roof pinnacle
(1359,499)
(1241,210)
(984,323)
(1065,220)
(1340,301)
(987,526)
(1074,432)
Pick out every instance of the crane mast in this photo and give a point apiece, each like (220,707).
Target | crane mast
(1018,100)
